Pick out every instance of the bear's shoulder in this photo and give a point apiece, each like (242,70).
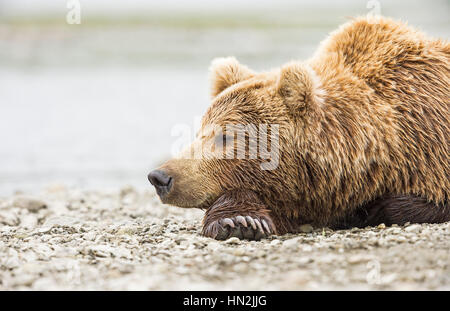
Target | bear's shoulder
(370,34)
(373,46)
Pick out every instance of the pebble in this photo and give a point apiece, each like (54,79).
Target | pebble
(413,228)
(29,203)
(9,219)
(61,221)
(101,244)
(239,252)
(359,258)
(90,236)
(213,245)
(100,250)
(307,228)
(394,230)
(233,240)
(121,253)
(29,221)
(275,242)
(307,248)
(291,243)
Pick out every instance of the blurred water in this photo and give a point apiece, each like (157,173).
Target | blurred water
(83,128)
(93,105)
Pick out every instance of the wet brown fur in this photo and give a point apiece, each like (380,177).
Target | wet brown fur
(236,203)
(364,123)
(396,209)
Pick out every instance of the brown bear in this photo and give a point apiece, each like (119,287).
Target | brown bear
(363,138)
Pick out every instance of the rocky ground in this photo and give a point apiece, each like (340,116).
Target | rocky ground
(126,240)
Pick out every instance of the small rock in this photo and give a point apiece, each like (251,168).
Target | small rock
(31,204)
(24,280)
(9,219)
(127,190)
(291,243)
(327,259)
(44,229)
(389,278)
(413,228)
(305,260)
(307,248)
(307,228)
(240,267)
(239,252)
(100,251)
(213,245)
(90,236)
(129,230)
(381,226)
(275,242)
(56,188)
(371,234)
(60,221)
(233,240)
(355,259)
(393,230)
(400,239)
(29,221)
(121,253)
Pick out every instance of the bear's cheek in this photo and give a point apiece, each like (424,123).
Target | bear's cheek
(191,187)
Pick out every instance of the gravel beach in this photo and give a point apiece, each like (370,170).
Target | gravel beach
(68,239)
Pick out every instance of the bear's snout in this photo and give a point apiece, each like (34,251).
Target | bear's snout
(161,181)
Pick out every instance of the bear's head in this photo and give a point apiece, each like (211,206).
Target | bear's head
(252,136)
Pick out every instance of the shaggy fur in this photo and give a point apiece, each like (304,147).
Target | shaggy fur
(364,124)
(256,224)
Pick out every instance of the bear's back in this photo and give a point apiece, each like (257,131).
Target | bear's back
(404,79)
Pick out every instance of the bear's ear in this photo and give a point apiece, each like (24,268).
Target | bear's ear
(224,72)
(298,86)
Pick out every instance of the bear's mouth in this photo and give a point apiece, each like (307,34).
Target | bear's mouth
(240,195)
(208,202)
(203,205)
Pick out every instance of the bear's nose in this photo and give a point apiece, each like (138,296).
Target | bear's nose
(161,181)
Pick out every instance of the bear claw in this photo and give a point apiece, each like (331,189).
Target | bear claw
(251,221)
(249,228)
(227,221)
(241,220)
(265,225)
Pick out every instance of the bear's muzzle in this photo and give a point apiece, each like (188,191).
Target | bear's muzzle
(161,181)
